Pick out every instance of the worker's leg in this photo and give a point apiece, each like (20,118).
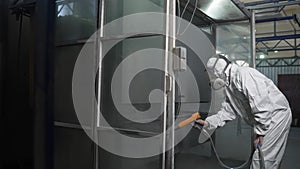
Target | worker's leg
(274,144)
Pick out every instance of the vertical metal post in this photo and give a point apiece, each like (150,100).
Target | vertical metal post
(253,41)
(44,84)
(98,54)
(100,33)
(169,111)
(295,44)
(253,58)
(275,28)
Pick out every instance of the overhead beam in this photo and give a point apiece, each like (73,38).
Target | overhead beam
(284,49)
(288,61)
(260,39)
(274,19)
(242,7)
(274,5)
(260,2)
(272,38)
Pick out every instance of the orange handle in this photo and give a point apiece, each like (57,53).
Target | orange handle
(189,120)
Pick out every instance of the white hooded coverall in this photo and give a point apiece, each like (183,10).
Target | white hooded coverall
(259,102)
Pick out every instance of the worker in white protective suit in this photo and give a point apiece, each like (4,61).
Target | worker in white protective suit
(255,98)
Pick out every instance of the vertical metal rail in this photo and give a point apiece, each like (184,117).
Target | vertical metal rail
(101,34)
(98,55)
(253,64)
(95,116)
(253,41)
(169,98)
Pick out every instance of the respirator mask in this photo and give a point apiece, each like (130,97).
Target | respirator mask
(216,67)
(217,83)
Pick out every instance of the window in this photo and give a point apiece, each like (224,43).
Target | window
(65,9)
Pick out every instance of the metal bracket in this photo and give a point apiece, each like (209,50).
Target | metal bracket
(168,84)
(179,58)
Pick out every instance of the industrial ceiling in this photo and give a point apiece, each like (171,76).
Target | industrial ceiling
(276,29)
(277,32)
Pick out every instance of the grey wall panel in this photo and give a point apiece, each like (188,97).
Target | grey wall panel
(111,161)
(273,72)
(233,141)
(75,19)
(73,149)
(198,72)
(65,59)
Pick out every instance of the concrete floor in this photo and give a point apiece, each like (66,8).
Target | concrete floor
(191,161)
(290,159)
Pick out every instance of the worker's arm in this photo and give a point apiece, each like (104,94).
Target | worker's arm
(218,120)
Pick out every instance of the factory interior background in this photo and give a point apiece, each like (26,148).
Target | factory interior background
(45,44)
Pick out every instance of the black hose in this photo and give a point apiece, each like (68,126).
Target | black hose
(261,157)
(222,164)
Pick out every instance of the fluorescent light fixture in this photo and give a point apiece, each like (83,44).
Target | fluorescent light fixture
(262,56)
(276,51)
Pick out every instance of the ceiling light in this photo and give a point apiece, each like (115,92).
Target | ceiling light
(261,56)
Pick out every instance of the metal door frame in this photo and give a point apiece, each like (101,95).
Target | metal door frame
(167,157)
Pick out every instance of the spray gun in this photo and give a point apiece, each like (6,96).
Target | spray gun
(191,119)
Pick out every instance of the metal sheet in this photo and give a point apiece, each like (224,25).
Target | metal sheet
(273,72)
(221,10)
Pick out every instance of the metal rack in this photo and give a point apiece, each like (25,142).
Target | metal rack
(275,41)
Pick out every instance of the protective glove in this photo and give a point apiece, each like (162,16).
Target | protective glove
(258,140)
(201,122)
(205,134)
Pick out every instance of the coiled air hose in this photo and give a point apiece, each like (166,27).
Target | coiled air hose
(196,116)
